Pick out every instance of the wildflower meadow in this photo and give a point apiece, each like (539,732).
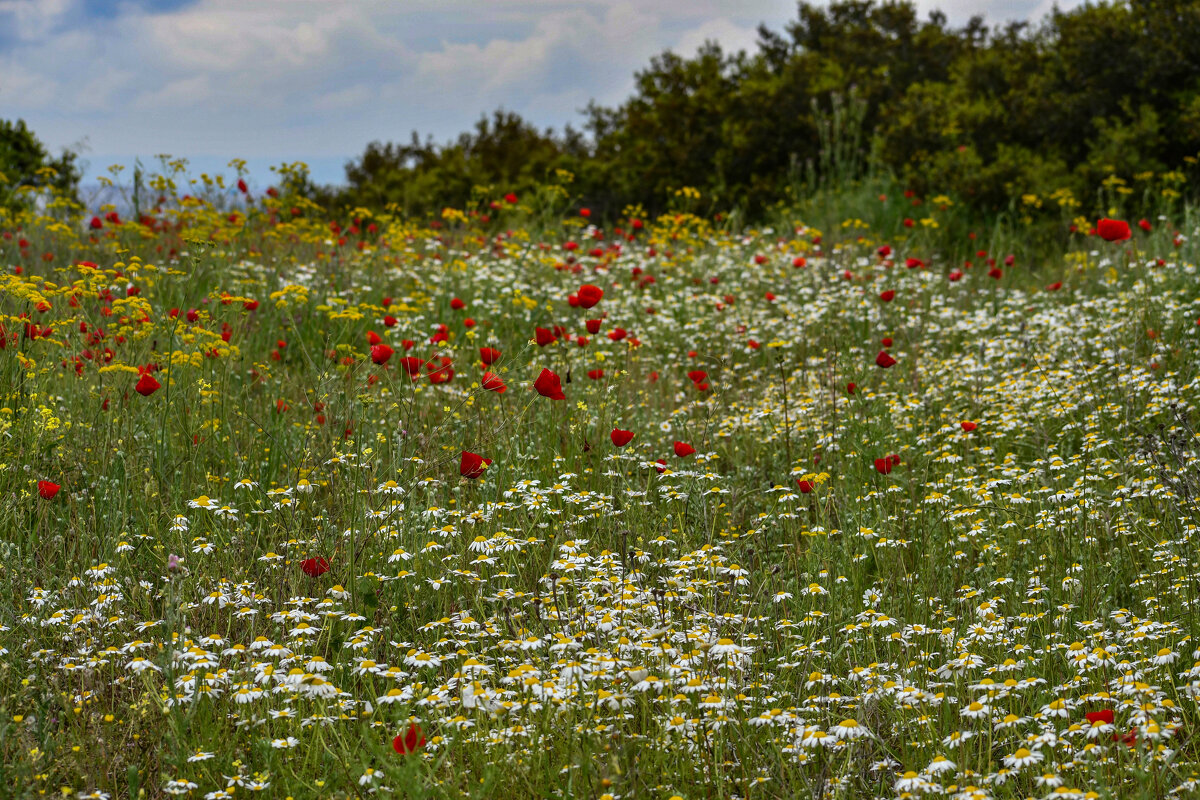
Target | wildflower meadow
(864,500)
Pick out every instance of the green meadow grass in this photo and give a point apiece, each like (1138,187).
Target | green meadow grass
(838,594)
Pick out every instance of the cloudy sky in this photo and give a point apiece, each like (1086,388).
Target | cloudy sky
(316,80)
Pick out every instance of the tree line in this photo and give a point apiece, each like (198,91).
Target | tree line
(1099,99)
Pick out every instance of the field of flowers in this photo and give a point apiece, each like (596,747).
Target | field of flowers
(511,504)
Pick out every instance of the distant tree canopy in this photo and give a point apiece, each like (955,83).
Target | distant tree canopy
(25,162)
(990,114)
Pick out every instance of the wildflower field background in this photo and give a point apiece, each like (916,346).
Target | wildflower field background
(513,504)
(821,424)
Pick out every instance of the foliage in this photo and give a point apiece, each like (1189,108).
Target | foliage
(1106,89)
(26,167)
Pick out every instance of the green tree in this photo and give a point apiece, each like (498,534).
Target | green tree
(25,162)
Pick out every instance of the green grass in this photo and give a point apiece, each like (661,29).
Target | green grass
(582,621)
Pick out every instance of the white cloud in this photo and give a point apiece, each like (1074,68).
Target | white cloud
(34,19)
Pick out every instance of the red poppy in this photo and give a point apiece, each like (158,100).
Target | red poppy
(1105,716)
(147,385)
(595,374)
(886,341)
(314,567)
(884,360)
(697,375)
(805,486)
(489,355)
(968,426)
(660,465)
(955,275)
(1145,225)
(883,465)
(413,738)
(544,337)
(549,385)
(887,296)
(621,438)
(380,353)
(47,489)
(472,465)
(593,326)
(96,224)
(1054,287)
(511,199)
(1113,230)
(683,449)
(617,334)
(492,383)
(851,387)
(589,295)
(457,304)
(441,373)
(373,338)
(412,365)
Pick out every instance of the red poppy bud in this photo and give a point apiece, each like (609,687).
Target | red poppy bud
(492,383)
(548,384)
(413,739)
(1113,230)
(472,465)
(380,353)
(589,295)
(147,385)
(314,567)
(621,438)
